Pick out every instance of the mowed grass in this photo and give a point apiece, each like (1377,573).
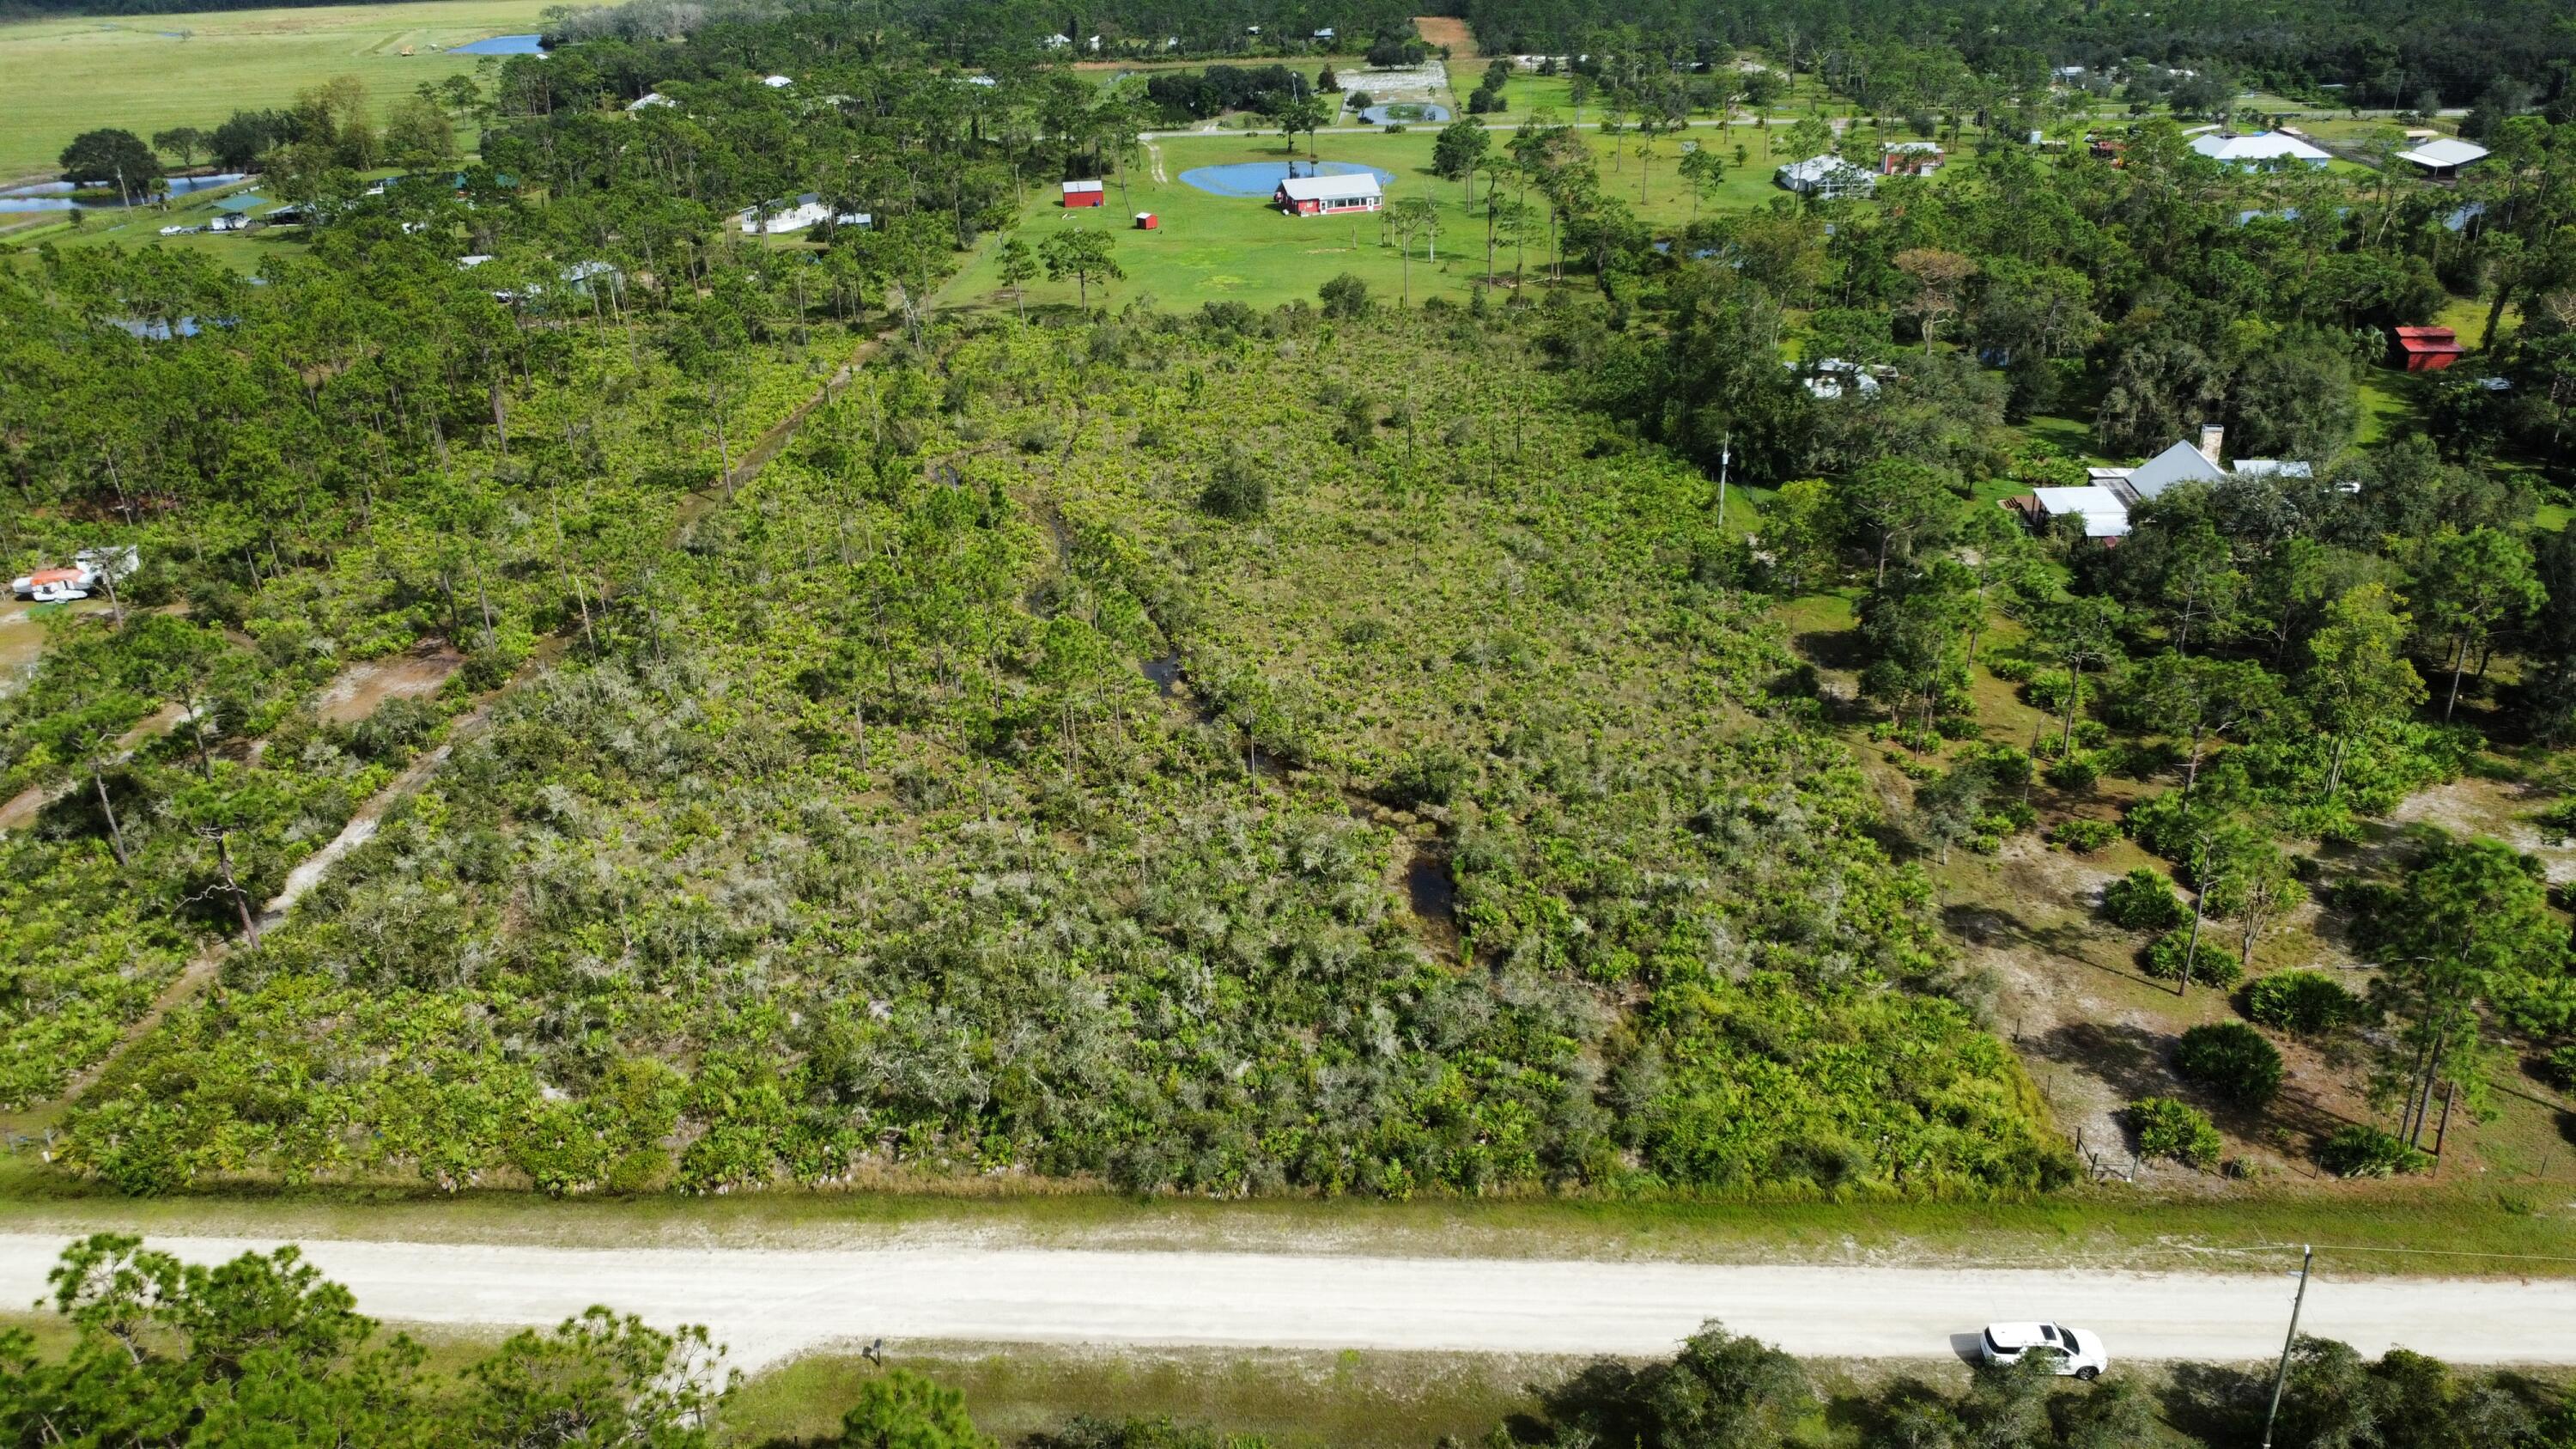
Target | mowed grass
(141,225)
(145,73)
(1214,248)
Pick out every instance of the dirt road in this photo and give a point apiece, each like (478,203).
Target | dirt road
(770,1305)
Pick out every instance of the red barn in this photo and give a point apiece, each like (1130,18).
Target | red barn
(2426,349)
(1084,193)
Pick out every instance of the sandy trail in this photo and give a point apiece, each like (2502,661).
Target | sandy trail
(770,1305)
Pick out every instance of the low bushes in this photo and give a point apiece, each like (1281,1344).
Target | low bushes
(2303,1002)
(2232,1060)
(2075,774)
(2083,836)
(2167,1128)
(2359,1151)
(2166,956)
(2143,901)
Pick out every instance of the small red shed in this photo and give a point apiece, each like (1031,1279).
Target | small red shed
(2426,349)
(1084,193)
(1148,221)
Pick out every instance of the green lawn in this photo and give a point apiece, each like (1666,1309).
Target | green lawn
(144,73)
(99,226)
(1211,248)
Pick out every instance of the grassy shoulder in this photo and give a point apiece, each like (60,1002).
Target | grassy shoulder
(2404,1230)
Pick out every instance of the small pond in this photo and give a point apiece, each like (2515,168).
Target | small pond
(59,195)
(1430,888)
(1261,178)
(502,45)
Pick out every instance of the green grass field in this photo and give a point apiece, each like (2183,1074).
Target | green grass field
(145,73)
(100,226)
(1211,248)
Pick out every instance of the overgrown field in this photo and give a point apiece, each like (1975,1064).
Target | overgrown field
(866,839)
(146,73)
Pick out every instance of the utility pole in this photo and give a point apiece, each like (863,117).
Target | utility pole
(1725,455)
(2281,1378)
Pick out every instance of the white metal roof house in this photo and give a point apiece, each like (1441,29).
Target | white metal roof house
(1831,378)
(776,82)
(2444,157)
(2105,501)
(648,100)
(1825,176)
(780,217)
(2105,513)
(2182,463)
(1321,195)
(2259,149)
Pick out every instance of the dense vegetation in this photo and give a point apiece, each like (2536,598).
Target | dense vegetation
(360,450)
(1340,750)
(263,1348)
(863,841)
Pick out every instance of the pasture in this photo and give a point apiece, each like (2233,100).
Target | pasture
(68,74)
(1212,248)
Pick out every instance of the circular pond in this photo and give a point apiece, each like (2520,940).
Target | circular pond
(1261,178)
(1400,113)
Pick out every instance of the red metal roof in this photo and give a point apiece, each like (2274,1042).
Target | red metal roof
(42,577)
(2426,334)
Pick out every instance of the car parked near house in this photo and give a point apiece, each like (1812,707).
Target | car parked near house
(2065,1350)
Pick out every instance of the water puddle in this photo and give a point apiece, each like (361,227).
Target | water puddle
(363,688)
(1430,887)
(1165,672)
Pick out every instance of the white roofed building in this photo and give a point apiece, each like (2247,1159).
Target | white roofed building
(1825,176)
(1328,195)
(2259,149)
(780,217)
(2442,158)
(2104,513)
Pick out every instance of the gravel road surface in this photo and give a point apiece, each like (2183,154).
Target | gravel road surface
(769,1305)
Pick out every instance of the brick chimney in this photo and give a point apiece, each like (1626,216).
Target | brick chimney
(2212,438)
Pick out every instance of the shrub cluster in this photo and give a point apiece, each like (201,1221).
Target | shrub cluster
(2303,1002)
(2359,1151)
(2143,900)
(2232,1060)
(2166,956)
(2167,1128)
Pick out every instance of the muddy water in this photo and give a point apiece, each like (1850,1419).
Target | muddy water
(1430,887)
(363,688)
(1165,672)
(22,636)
